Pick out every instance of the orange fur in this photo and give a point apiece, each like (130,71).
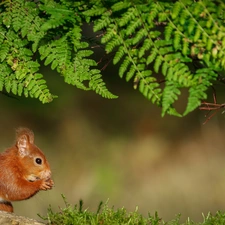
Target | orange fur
(24,170)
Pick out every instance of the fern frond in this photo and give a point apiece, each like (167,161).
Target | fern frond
(97,84)
(138,44)
(119,55)
(145,47)
(4,50)
(5,72)
(182,42)
(120,5)
(169,96)
(54,30)
(149,87)
(35,87)
(103,22)
(95,10)
(132,26)
(151,56)
(203,79)
(130,73)
(124,66)
(157,63)
(57,53)
(112,44)
(128,16)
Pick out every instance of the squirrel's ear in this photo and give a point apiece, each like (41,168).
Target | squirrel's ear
(24,137)
(22,145)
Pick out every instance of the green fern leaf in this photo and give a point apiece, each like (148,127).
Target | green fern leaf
(145,47)
(142,33)
(168,32)
(2,83)
(127,17)
(102,23)
(84,53)
(14,87)
(176,10)
(185,47)
(111,32)
(173,112)
(54,64)
(50,58)
(197,34)
(31,85)
(130,73)
(169,96)
(119,54)
(120,5)
(26,93)
(4,50)
(150,89)
(165,67)
(194,100)
(191,27)
(89,62)
(209,44)
(96,83)
(20,89)
(8,85)
(154,10)
(44,51)
(59,15)
(197,92)
(95,11)
(165,50)
(151,57)
(198,9)
(124,66)
(112,44)
(177,40)
(133,25)
(184,17)
(157,64)
(162,16)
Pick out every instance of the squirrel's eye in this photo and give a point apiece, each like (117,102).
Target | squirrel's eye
(38,161)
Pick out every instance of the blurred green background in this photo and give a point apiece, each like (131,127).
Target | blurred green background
(121,150)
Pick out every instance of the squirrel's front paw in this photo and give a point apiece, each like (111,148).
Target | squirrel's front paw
(47,184)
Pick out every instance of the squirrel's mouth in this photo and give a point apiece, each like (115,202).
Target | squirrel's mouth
(32,178)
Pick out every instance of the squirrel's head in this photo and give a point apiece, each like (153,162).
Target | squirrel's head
(32,161)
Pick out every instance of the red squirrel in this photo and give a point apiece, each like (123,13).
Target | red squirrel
(24,170)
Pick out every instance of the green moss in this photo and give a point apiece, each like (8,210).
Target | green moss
(72,215)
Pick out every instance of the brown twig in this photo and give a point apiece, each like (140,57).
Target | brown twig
(215,107)
(211,107)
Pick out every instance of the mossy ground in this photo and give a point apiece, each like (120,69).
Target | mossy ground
(76,215)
